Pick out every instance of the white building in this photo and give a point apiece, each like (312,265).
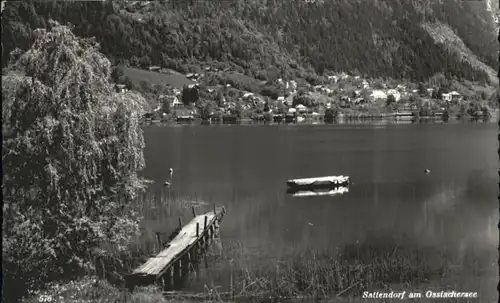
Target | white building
(334,78)
(301,108)
(378,94)
(365,84)
(174,101)
(177,92)
(446,97)
(247,95)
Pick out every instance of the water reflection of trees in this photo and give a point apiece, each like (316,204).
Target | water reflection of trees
(460,218)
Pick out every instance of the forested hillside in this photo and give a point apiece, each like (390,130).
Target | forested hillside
(267,39)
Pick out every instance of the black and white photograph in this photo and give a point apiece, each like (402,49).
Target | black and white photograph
(181,151)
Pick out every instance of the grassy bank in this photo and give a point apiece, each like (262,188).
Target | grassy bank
(246,275)
(319,275)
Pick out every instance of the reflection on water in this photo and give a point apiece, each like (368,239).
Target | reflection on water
(316,193)
(245,169)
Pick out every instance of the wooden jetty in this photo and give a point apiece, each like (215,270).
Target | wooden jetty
(321,182)
(315,193)
(172,265)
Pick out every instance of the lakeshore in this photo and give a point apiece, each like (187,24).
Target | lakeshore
(380,120)
(413,232)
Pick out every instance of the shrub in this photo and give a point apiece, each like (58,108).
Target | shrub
(390,100)
(270,91)
(330,115)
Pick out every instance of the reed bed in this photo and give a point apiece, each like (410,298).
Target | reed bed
(248,275)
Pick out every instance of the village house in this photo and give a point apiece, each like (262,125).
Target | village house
(344,76)
(173,100)
(154,68)
(364,85)
(327,90)
(301,108)
(401,88)
(335,79)
(120,88)
(453,96)
(345,99)
(177,92)
(223,101)
(378,94)
(456,96)
(446,97)
(257,100)
(430,91)
(356,93)
(248,96)
(184,114)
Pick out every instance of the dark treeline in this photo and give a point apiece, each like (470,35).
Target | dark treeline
(377,38)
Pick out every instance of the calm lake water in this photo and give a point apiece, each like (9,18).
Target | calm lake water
(245,169)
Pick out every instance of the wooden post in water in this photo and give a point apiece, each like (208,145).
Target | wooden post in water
(194,212)
(197,261)
(203,234)
(197,230)
(185,267)
(180,223)
(215,212)
(177,274)
(172,276)
(165,282)
(160,245)
(169,283)
(189,259)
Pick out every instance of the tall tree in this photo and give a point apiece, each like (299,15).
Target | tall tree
(71,150)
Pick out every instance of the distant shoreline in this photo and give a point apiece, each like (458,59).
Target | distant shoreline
(355,121)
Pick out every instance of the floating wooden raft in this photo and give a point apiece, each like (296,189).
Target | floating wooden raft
(314,193)
(172,264)
(321,182)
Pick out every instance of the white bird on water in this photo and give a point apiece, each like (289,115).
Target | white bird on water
(427,171)
(169,182)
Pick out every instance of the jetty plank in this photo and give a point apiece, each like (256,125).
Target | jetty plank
(183,241)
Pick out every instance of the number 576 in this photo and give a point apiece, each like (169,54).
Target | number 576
(45,298)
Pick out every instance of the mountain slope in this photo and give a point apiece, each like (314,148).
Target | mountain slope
(445,36)
(276,38)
